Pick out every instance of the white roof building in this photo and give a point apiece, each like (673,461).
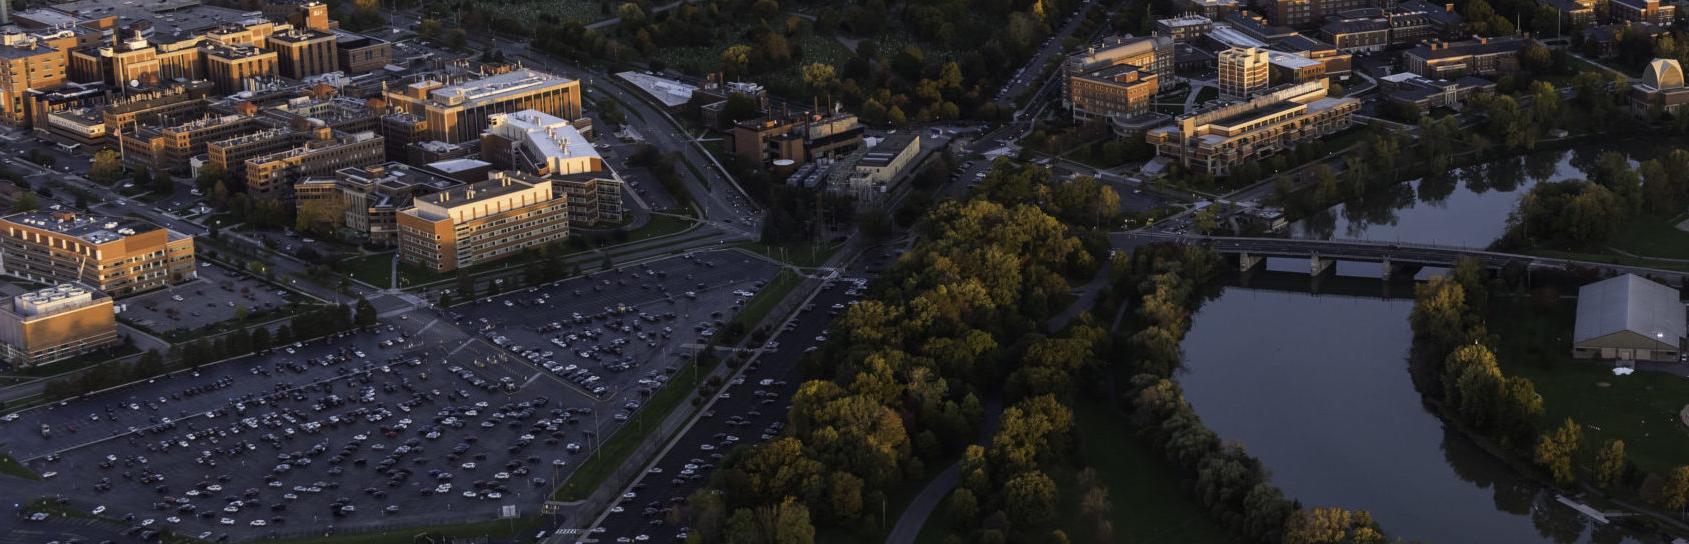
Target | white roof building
(548,140)
(1628,317)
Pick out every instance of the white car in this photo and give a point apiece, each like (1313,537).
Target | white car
(101,509)
(259,523)
(468,466)
(227,521)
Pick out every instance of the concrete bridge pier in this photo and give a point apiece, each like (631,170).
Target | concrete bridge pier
(1318,270)
(1247,262)
(1393,271)
(1318,266)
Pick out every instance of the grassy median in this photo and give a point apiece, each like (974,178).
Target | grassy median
(502,529)
(11,467)
(612,452)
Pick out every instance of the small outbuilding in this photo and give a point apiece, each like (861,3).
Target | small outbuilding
(1628,318)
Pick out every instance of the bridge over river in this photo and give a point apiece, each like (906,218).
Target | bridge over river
(1396,257)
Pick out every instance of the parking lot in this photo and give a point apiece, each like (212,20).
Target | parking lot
(433,418)
(751,410)
(215,297)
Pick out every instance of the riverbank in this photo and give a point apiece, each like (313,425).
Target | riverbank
(1532,367)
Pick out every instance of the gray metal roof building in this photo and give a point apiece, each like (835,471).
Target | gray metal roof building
(1628,317)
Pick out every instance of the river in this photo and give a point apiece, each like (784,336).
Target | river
(1468,207)
(1317,387)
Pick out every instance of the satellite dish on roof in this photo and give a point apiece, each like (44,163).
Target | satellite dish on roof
(134,83)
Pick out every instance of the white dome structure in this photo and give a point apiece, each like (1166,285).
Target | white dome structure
(1663,74)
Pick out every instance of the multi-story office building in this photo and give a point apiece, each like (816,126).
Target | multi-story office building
(40,104)
(232,68)
(119,256)
(135,59)
(1402,25)
(1307,13)
(458,112)
(270,175)
(1643,11)
(1424,94)
(1153,54)
(303,53)
(229,155)
(1573,12)
(1217,140)
(1243,72)
(1479,57)
(1116,91)
(28,63)
(1184,28)
(358,54)
(366,200)
(341,114)
(175,101)
(537,143)
(882,164)
(56,323)
(1212,9)
(797,138)
(481,222)
(168,146)
(593,198)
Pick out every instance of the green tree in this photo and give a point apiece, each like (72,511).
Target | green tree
(1030,498)
(1554,452)
(107,167)
(366,316)
(1610,463)
(963,508)
(465,284)
(26,202)
(1332,526)
(736,60)
(1674,494)
(819,77)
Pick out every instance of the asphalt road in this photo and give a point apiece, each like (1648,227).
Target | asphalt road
(754,405)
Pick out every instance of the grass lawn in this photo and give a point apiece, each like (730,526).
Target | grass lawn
(660,225)
(221,219)
(375,269)
(764,301)
(612,452)
(1640,409)
(1653,236)
(803,255)
(1604,258)
(499,529)
(1149,504)
(11,467)
(1206,94)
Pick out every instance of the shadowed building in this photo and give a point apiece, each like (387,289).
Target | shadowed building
(56,323)
(1628,318)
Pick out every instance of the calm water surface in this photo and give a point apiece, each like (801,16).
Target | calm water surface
(1317,387)
(1468,207)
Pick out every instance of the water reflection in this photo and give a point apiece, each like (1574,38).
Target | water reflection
(1318,388)
(1466,206)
